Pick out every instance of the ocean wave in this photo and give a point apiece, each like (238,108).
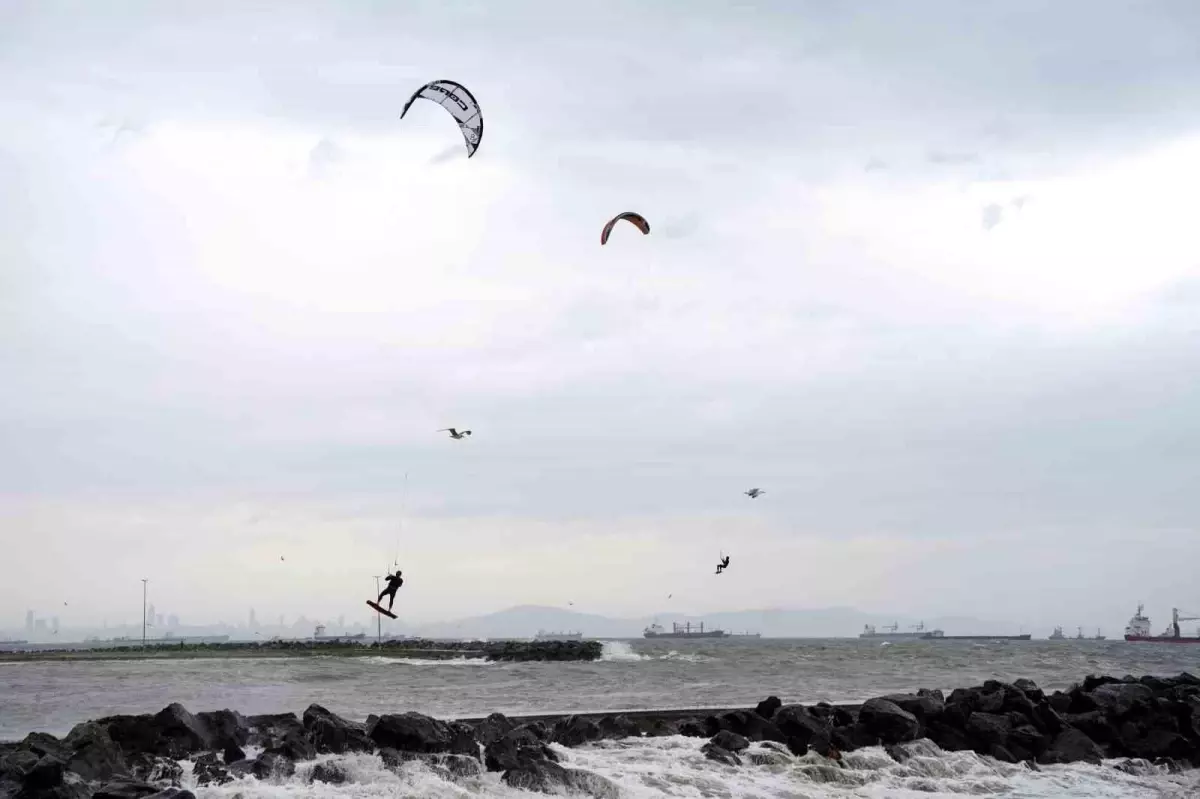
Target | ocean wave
(622,652)
(675,766)
(403,661)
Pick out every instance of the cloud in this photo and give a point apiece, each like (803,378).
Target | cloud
(232,335)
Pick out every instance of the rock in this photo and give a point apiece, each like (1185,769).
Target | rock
(548,777)
(693,729)
(1060,702)
(617,727)
(330,773)
(233,753)
(921,706)
(1028,738)
(948,737)
(493,728)
(94,756)
(750,725)
(41,743)
(415,732)
(224,728)
(173,793)
(331,733)
(798,726)
(1093,681)
(272,729)
(125,789)
(720,755)
(1120,699)
(1071,746)
(987,730)
(768,706)
(1094,724)
(1157,744)
(151,768)
(575,731)
(182,732)
(516,749)
(767,757)
(208,770)
(889,722)
(897,752)
(136,735)
(730,741)
(1030,689)
(271,764)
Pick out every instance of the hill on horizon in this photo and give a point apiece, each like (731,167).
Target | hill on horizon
(523,621)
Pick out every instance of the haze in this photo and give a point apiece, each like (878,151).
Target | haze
(927,273)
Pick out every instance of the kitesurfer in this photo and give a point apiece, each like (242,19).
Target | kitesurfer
(723,565)
(394,581)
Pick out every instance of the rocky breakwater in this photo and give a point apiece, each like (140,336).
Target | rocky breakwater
(1128,720)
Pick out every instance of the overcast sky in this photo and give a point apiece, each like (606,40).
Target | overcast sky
(928,273)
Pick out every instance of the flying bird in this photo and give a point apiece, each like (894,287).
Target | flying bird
(754,493)
(454,433)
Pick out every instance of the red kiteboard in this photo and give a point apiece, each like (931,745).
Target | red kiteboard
(384,611)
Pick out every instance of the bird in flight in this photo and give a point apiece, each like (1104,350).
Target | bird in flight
(754,493)
(454,433)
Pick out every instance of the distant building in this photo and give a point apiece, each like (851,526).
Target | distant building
(29,621)
(172,620)
(158,620)
(253,620)
(150,615)
(54,625)
(39,626)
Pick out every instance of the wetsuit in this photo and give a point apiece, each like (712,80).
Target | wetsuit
(394,581)
(723,564)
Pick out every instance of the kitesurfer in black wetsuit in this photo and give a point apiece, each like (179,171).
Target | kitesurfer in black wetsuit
(394,581)
(723,565)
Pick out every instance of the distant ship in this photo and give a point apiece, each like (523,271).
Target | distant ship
(683,631)
(1057,635)
(891,633)
(1138,629)
(319,635)
(542,635)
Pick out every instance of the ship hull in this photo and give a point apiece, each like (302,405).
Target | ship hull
(1158,639)
(713,634)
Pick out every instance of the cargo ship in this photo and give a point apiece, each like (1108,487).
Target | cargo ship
(682,631)
(1057,635)
(891,633)
(1138,629)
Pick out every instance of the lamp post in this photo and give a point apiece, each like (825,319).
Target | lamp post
(144,582)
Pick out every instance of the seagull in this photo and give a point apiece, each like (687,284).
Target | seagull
(454,433)
(754,493)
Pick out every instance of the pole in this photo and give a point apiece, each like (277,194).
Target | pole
(378,618)
(144,581)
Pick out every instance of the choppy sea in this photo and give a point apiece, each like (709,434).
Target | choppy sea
(632,675)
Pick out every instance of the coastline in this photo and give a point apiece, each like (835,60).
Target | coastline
(1100,720)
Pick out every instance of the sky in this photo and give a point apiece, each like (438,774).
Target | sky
(926,273)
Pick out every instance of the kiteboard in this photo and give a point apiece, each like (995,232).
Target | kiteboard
(382,610)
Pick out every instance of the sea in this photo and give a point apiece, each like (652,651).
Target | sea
(631,675)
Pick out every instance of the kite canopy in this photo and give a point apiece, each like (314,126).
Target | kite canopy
(633,218)
(461,104)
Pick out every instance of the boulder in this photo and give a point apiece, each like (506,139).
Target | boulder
(745,723)
(233,753)
(224,728)
(768,706)
(515,749)
(136,735)
(888,722)
(271,729)
(1118,700)
(154,769)
(1031,690)
(1071,746)
(720,754)
(576,731)
(548,777)
(125,789)
(270,765)
(208,770)
(987,730)
(923,706)
(181,733)
(493,728)
(415,732)
(798,725)
(94,756)
(330,773)
(331,733)
(730,741)
(618,727)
